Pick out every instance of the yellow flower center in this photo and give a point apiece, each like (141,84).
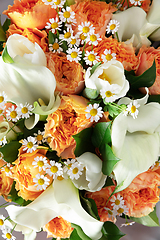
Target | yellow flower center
(1,111)
(57,2)
(93,112)
(49,139)
(82,36)
(7,169)
(104,76)
(13,114)
(1,99)
(1,222)
(54,25)
(112,27)
(93,38)
(24,110)
(39,137)
(40,163)
(91,57)
(109,57)
(49,0)
(117,202)
(75,170)
(66,14)
(74,54)
(67,35)
(29,144)
(54,169)
(133,109)
(73,41)
(55,46)
(110,212)
(109,94)
(40,181)
(8,235)
(60,178)
(120,210)
(85,29)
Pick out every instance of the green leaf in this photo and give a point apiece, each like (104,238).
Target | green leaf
(95,67)
(6,24)
(90,93)
(90,206)
(109,159)
(6,57)
(10,151)
(101,134)
(80,233)
(154,98)
(150,220)
(83,142)
(111,231)
(74,235)
(108,182)
(2,33)
(113,110)
(145,80)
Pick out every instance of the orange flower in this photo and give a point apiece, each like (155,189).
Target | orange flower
(146,57)
(124,53)
(30,13)
(58,228)
(97,13)
(68,120)
(24,172)
(5,182)
(69,75)
(145,5)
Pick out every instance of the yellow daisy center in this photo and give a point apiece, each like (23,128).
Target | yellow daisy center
(109,57)
(109,94)
(82,37)
(1,111)
(40,163)
(54,25)
(55,46)
(54,169)
(85,29)
(8,235)
(67,35)
(113,26)
(49,0)
(1,222)
(133,109)
(57,2)
(73,41)
(40,181)
(13,114)
(49,139)
(66,14)
(93,38)
(117,202)
(1,99)
(24,110)
(91,57)
(7,169)
(110,212)
(75,170)
(120,210)
(39,137)
(29,144)
(60,178)
(74,54)
(93,112)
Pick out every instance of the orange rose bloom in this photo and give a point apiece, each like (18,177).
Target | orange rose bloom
(69,75)
(5,182)
(69,119)
(124,53)
(58,228)
(146,57)
(145,5)
(97,13)
(24,172)
(142,194)
(30,13)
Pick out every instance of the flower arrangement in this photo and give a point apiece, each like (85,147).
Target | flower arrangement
(79,117)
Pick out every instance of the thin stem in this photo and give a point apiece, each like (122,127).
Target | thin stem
(117,36)
(1,206)
(3,166)
(14,227)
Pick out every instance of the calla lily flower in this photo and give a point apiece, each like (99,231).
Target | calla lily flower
(5,131)
(53,203)
(135,141)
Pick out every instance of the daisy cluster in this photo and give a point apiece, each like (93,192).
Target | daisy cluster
(6,228)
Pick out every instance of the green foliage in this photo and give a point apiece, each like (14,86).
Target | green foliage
(112,109)
(111,231)
(90,93)
(80,233)
(6,57)
(2,34)
(10,151)
(101,134)
(95,67)
(108,182)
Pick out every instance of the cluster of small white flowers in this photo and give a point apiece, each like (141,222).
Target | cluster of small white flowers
(73,168)
(132,109)
(94,112)
(6,231)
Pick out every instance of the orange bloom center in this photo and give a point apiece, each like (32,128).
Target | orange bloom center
(120,210)
(39,137)
(117,202)
(57,2)
(82,37)
(73,41)
(60,178)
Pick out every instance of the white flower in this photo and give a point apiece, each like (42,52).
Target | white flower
(94,112)
(3,99)
(58,3)
(41,182)
(24,110)
(91,58)
(7,169)
(54,24)
(74,41)
(74,54)
(127,224)
(136,2)
(7,234)
(39,136)
(29,144)
(67,36)
(50,2)
(2,222)
(3,141)
(132,108)
(111,213)
(117,202)
(86,28)
(66,15)
(68,164)
(75,170)
(56,46)
(121,210)
(55,169)
(113,26)
(12,114)
(93,39)
(108,56)
(41,163)
(109,93)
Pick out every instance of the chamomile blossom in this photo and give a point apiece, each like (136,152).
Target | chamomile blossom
(132,108)
(48,2)
(12,114)
(3,141)
(68,164)
(41,182)
(2,222)
(86,28)
(94,112)
(56,46)
(24,111)
(75,170)
(109,93)
(136,2)
(7,234)
(39,136)
(91,58)
(74,54)
(121,210)
(127,224)
(93,39)
(66,36)
(54,24)
(29,144)
(117,201)
(47,139)
(41,163)
(58,3)
(55,169)
(7,169)
(3,99)
(66,15)
(111,213)
(82,38)
(113,26)
(108,56)
(74,41)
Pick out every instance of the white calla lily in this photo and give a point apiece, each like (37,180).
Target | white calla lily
(5,130)
(92,178)
(135,141)
(52,203)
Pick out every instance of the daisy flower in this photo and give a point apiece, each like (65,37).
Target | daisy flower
(74,54)
(3,141)
(74,42)
(7,169)
(66,15)
(86,28)
(91,58)
(55,169)
(47,139)
(111,213)
(39,136)
(29,144)
(58,3)
(54,24)
(117,202)
(93,39)
(82,38)
(136,2)
(121,210)
(68,164)
(94,112)
(109,92)
(3,99)
(7,234)
(108,56)
(67,35)
(2,222)
(12,114)
(48,2)
(127,224)
(75,170)
(41,182)
(24,111)
(132,108)
(56,46)
(112,26)
(41,163)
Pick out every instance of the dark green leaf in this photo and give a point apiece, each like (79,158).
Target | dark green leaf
(80,233)
(113,110)
(6,24)
(6,57)
(10,151)
(95,67)
(2,34)
(74,235)
(90,206)
(101,134)
(111,231)
(154,98)
(90,93)
(108,182)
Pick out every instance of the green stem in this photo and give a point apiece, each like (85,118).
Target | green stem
(117,37)
(14,227)
(1,206)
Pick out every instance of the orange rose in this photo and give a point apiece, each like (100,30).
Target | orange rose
(68,120)
(58,228)
(5,181)
(24,172)
(97,13)
(69,75)
(30,13)
(145,5)
(124,53)
(146,57)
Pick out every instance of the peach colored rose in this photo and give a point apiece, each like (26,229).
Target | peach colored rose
(5,182)
(69,119)
(58,228)
(97,13)
(124,53)
(24,172)
(69,75)
(30,13)
(7,106)
(146,57)
(145,5)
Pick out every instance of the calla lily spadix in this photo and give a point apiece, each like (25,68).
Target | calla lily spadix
(135,141)
(53,203)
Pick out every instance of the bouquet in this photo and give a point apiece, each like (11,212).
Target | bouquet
(79,117)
